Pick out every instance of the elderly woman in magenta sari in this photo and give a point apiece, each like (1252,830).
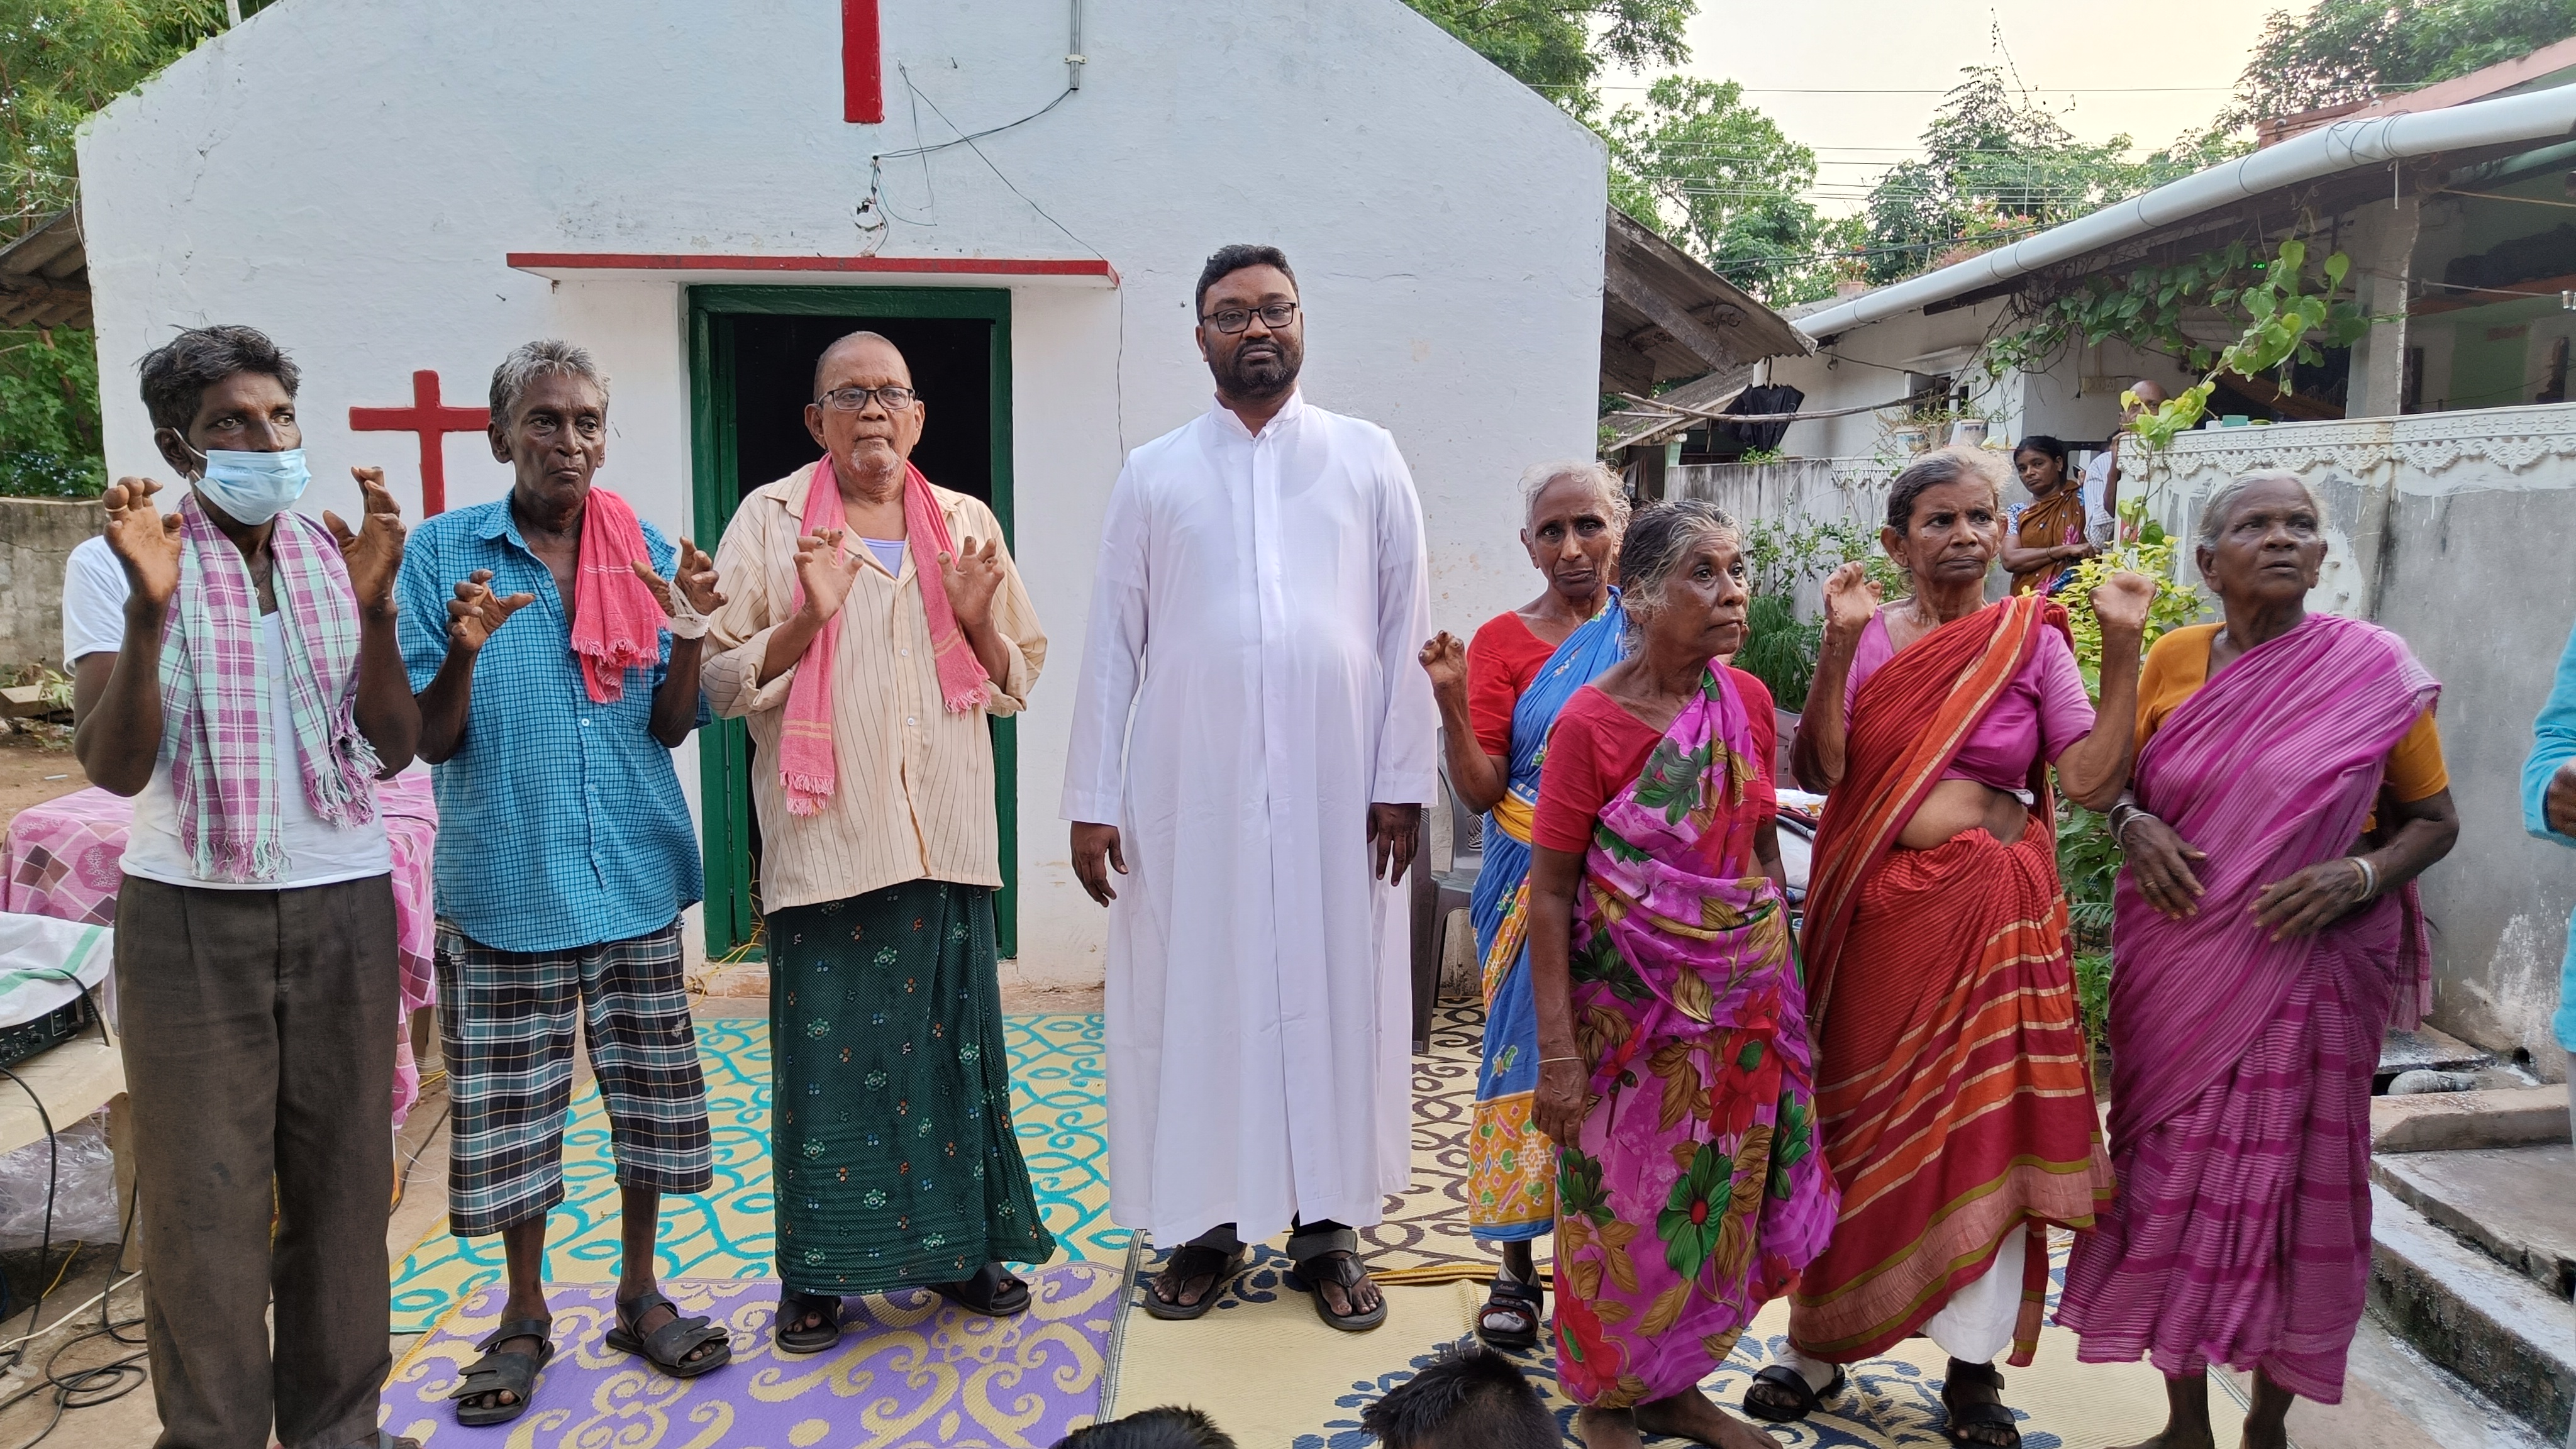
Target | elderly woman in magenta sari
(1498,698)
(2289,789)
(1955,1090)
(1673,1067)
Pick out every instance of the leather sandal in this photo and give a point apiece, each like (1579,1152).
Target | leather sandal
(1988,1414)
(1334,1257)
(668,1347)
(1805,1399)
(794,1308)
(1522,1306)
(994,1291)
(514,1373)
(1188,1264)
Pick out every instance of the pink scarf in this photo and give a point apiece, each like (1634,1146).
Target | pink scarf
(616,621)
(805,760)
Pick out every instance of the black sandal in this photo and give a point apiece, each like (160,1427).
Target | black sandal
(994,1292)
(1334,1258)
(793,1308)
(496,1372)
(668,1347)
(1806,1399)
(1524,1305)
(1189,1263)
(1992,1414)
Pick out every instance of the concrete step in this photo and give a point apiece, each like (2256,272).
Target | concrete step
(2517,1203)
(2425,1049)
(2469,1313)
(2452,1121)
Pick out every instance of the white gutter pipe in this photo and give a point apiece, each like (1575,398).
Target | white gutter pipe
(2548,115)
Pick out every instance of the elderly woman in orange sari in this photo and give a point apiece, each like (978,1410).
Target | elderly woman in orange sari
(1954,1090)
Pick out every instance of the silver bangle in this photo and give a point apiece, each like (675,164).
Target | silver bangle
(2120,827)
(2369,876)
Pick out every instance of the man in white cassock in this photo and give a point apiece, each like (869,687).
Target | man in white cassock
(1253,746)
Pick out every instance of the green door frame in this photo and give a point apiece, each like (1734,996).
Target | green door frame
(724,754)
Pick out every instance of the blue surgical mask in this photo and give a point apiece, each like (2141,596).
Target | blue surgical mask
(252,488)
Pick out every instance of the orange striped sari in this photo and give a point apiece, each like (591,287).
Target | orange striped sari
(1955,1091)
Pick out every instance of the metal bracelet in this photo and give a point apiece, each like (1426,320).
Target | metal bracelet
(2369,875)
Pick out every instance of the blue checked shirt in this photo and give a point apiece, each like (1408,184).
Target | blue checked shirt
(560,821)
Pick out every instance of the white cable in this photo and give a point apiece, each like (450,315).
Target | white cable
(74,1313)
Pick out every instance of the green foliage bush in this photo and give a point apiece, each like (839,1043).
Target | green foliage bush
(49,427)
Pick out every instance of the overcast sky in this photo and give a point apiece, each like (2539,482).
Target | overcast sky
(2149,70)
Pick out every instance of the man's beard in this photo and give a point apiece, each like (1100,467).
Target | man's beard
(1266,376)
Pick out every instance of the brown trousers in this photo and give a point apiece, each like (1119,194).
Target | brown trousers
(259,1044)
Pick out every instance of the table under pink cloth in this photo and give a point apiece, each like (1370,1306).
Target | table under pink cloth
(65,860)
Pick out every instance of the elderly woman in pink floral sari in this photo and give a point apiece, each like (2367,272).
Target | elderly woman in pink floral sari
(2289,788)
(1675,1074)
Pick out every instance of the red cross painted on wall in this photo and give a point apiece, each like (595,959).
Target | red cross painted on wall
(432,421)
(862,64)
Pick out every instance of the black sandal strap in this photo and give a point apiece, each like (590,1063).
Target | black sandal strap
(1311,1244)
(1190,1262)
(541,1329)
(670,1345)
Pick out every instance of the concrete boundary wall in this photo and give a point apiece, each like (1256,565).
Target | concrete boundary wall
(37,535)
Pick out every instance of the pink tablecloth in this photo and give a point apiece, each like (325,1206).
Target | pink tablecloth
(63,861)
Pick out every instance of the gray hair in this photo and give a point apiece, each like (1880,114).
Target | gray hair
(1605,481)
(2213,514)
(1658,539)
(545,357)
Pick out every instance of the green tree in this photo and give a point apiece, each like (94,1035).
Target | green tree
(1720,179)
(2355,50)
(1560,47)
(60,61)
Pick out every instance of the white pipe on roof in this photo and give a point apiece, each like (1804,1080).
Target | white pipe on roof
(2342,146)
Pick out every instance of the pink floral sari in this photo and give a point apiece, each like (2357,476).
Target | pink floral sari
(1696,1191)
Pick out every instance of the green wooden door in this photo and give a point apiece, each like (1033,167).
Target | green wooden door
(715,317)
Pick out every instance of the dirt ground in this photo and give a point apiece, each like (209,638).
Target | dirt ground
(35,769)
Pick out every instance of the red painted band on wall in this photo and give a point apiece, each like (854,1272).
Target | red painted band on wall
(862,64)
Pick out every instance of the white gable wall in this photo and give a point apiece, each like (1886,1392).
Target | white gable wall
(348,175)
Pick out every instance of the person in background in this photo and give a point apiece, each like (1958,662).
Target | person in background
(2046,537)
(877,627)
(2103,473)
(1674,1070)
(1956,1092)
(2549,812)
(236,676)
(1171,1427)
(1253,735)
(1497,697)
(2289,789)
(565,856)
(1468,1398)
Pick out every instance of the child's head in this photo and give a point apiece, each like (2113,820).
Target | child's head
(1471,1398)
(1165,1428)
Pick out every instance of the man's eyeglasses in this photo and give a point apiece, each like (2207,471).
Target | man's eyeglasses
(1231,320)
(855,399)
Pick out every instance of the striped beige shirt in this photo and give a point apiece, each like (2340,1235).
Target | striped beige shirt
(914,794)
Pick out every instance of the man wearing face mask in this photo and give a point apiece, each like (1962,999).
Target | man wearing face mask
(236,676)
(565,856)
(1253,740)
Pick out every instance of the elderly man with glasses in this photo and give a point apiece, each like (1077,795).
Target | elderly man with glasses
(875,622)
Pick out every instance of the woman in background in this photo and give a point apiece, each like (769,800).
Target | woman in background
(2045,538)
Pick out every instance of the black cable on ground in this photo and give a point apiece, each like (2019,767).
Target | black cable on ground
(45,1244)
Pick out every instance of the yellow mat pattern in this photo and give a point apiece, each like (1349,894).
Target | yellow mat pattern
(1058,1107)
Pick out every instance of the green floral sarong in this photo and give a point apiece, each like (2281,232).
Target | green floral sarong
(891,1095)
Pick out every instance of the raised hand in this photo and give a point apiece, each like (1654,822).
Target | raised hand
(825,571)
(971,579)
(1850,598)
(373,553)
(476,612)
(696,576)
(1445,660)
(144,539)
(2121,601)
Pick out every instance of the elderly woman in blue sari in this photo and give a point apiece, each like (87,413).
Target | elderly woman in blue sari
(1498,697)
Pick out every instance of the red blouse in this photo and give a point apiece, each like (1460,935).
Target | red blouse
(1501,661)
(1598,749)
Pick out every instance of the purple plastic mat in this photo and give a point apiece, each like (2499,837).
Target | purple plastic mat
(911,1369)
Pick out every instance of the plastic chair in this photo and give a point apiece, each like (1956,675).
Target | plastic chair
(1436,896)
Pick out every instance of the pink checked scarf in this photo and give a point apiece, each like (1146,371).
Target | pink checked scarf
(805,759)
(616,621)
(222,779)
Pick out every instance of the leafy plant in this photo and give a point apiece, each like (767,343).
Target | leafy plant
(1780,649)
(2093,997)
(49,424)
(2284,322)
(2145,549)
(2354,50)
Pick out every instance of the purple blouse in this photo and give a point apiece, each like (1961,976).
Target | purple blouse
(2043,706)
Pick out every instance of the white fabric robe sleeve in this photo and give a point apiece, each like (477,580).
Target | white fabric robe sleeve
(1113,657)
(1407,745)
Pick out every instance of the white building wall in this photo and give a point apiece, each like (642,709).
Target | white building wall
(348,175)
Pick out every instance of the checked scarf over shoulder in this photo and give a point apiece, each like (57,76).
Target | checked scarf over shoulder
(213,729)
(805,760)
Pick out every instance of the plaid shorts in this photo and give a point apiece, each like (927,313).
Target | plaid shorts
(505,1022)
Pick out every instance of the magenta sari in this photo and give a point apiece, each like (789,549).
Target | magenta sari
(2241,1066)
(1696,1190)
